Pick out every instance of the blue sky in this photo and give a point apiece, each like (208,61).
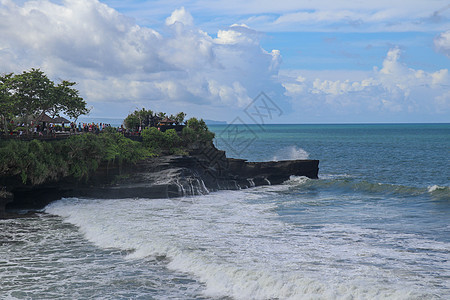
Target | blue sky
(319,61)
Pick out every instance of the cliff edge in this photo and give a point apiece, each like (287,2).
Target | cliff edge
(206,169)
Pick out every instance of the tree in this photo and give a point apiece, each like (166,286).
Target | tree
(197,131)
(179,118)
(145,117)
(139,118)
(68,100)
(153,139)
(32,93)
(161,115)
(131,122)
(7,101)
(171,139)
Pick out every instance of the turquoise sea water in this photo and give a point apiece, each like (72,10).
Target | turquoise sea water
(375,225)
(415,155)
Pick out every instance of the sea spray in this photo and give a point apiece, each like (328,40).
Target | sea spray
(291,153)
(235,243)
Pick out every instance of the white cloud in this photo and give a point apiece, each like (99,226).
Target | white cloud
(317,15)
(120,65)
(394,90)
(238,34)
(331,15)
(442,42)
(366,17)
(181,16)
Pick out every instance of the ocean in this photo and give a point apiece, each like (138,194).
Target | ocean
(375,225)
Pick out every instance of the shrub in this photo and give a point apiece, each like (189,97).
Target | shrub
(110,129)
(36,161)
(197,131)
(171,139)
(153,139)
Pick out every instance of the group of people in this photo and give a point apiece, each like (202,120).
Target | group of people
(47,128)
(92,127)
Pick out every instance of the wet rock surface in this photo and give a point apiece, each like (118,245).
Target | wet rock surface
(205,170)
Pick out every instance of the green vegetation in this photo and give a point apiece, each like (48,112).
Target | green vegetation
(147,118)
(168,142)
(196,131)
(80,155)
(143,118)
(27,95)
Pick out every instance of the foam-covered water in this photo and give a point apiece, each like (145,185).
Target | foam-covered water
(352,234)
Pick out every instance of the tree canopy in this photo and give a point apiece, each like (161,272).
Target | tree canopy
(32,93)
(147,118)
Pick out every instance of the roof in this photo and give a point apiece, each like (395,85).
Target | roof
(61,120)
(43,117)
(166,120)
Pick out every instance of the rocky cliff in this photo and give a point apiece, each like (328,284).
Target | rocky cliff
(205,170)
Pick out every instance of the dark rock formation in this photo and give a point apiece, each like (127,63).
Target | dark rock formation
(205,170)
(5,198)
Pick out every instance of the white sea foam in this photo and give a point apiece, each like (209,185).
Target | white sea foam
(440,192)
(435,188)
(235,243)
(291,153)
(297,180)
(334,176)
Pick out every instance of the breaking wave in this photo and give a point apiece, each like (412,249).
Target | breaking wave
(441,192)
(345,183)
(234,243)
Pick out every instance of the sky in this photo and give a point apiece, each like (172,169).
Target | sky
(285,61)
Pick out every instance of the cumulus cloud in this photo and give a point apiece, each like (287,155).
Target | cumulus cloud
(120,65)
(442,42)
(181,16)
(394,89)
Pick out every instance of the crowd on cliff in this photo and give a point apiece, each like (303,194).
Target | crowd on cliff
(92,127)
(47,128)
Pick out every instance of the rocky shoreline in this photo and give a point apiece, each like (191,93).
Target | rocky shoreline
(204,170)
